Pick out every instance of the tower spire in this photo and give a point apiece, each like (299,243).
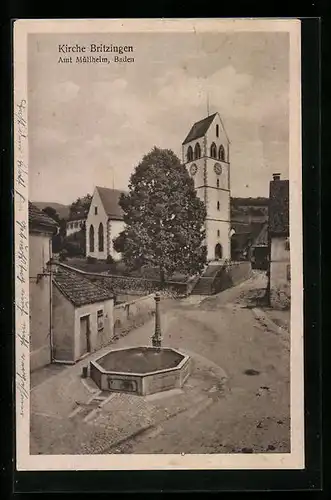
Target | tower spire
(207,103)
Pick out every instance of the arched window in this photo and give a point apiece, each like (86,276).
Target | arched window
(91,238)
(217,183)
(221,153)
(213,150)
(217,130)
(100,237)
(197,151)
(218,251)
(189,153)
(218,205)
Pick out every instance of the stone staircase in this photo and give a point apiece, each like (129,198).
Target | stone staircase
(205,284)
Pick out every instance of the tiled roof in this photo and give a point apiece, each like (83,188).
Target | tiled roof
(40,220)
(279,207)
(110,199)
(199,129)
(78,288)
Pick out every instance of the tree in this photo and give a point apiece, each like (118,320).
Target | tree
(52,213)
(164,218)
(81,206)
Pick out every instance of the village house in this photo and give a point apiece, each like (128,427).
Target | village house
(41,230)
(104,223)
(75,223)
(279,243)
(82,315)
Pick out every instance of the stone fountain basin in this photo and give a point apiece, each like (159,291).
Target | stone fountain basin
(140,370)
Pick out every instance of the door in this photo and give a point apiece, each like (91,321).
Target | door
(218,251)
(85,346)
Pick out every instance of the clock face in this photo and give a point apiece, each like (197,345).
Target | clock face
(193,169)
(218,168)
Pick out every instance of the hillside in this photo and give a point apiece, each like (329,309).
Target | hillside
(62,210)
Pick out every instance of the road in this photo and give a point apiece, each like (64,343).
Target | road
(249,412)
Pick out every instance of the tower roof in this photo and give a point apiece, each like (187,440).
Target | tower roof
(199,128)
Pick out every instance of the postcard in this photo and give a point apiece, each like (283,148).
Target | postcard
(158,244)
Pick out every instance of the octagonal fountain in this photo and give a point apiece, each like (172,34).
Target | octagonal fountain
(142,370)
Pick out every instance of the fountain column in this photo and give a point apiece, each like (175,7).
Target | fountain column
(157,339)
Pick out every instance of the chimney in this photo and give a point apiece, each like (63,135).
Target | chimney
(276,177)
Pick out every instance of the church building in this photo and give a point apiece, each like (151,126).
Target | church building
(206,155)
(104,223)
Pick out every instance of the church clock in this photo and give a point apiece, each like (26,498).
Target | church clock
(193,169)
(218,168)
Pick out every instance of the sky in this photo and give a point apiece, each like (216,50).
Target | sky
(92,124)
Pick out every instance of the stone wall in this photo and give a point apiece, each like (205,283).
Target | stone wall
(132,314)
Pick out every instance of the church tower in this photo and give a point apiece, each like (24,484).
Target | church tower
(206,156)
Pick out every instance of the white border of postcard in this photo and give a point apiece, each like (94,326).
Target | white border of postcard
(27,462)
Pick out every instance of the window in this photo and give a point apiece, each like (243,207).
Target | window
(197,151)
(100,323)
(221,153)
(213,150)
(217,130)
(218,232)
(100,237)
(91,238)
(217,183)
(189,153)
(95,210)
(218,205)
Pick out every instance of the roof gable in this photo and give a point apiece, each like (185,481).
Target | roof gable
(200,128)
(79,289)
(279,207)
(40,220)
(110,201)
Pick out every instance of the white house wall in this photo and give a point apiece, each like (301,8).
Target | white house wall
(280,260)
(63,327)
(73,229)
(97,339)
(40,300)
